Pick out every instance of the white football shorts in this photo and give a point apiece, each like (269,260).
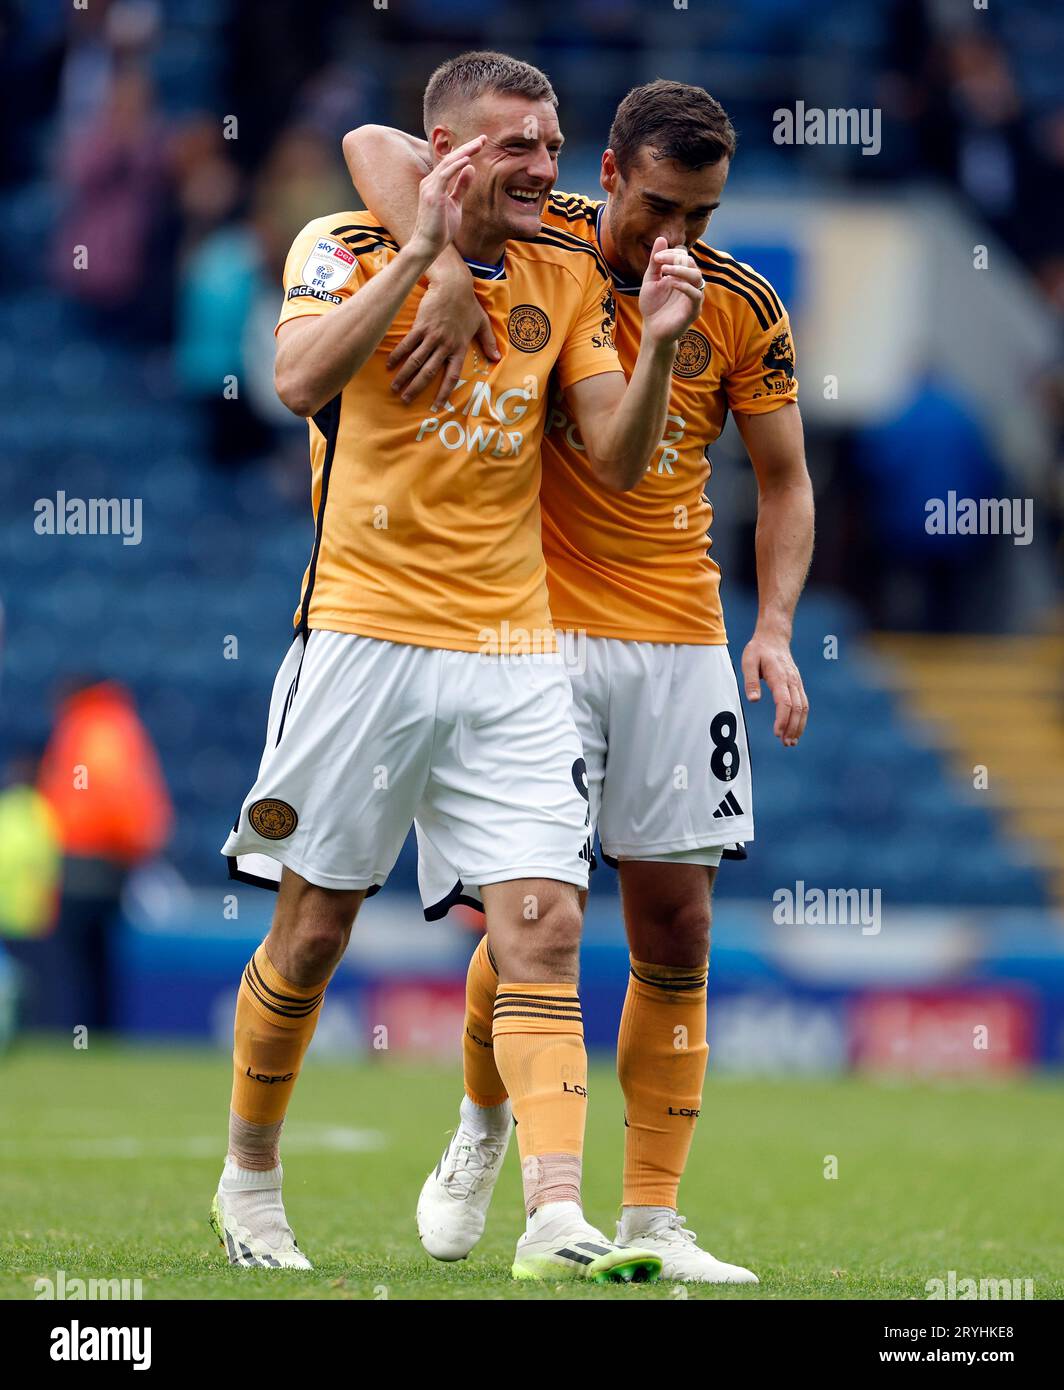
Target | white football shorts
(364,735)
(666,756)
(665,747)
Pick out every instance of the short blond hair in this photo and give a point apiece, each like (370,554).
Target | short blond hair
(470,75)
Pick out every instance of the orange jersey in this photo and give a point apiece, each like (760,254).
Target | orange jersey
(636,564)
(427,526)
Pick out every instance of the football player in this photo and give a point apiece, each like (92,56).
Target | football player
(423,679)
(633,586)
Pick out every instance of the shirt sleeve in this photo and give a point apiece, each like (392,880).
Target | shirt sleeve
(763,377)
(589,349)
(319,274)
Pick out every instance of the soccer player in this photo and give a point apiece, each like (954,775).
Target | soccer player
(656,700)
(423,679)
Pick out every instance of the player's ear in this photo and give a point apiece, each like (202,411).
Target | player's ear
(442,142)
(608,174)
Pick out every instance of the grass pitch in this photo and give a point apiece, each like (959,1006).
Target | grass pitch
(109,1158)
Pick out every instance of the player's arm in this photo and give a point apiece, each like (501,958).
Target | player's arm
(621,423)
(387,167)
(784,548)
(317,355)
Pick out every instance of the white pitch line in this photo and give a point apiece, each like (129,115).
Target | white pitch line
(307,1140)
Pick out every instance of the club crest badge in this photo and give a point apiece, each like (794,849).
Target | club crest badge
(272,819)
(528,328)
(692,354)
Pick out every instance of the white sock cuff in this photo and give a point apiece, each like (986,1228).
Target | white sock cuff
(548,1211)
(250,1179)
(485,1121)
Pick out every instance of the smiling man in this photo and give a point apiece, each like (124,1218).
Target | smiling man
(657,704)
(424,679)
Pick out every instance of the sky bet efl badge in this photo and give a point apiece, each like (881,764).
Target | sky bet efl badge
(329,266)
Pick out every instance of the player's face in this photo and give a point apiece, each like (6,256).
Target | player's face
(657,197)
(518,166)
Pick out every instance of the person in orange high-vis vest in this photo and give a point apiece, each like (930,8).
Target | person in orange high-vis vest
(101,776)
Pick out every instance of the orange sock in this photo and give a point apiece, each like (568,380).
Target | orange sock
(275,1021)
(661,1063)
(483,1084)
(539,1049)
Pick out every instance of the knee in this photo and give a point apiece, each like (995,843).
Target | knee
(318,946)
(678,935)
(547,948)
(313,932)
(560,940)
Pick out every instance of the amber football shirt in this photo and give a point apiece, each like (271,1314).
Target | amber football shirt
(427,526)
(636,565)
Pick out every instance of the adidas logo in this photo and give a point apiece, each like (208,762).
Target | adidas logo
(728,807)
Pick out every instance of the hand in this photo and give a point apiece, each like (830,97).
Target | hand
(439,204)
(769,658)
(672,293)
(449,318)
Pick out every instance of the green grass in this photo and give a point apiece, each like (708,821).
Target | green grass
(109,1158)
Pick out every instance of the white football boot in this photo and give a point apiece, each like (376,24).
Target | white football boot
(247,1216)
(454,1200)
(661,1230)
(562,1245)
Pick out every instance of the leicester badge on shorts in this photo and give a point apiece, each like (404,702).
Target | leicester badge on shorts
(272,819)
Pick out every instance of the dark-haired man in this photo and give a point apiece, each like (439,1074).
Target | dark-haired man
(656,700)
(424,679)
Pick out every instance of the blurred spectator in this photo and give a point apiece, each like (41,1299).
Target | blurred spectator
(303,177)
(115,173)
(975,134)
(31,59)
(220,272)
(1043,239)
(910,577)
(101,777)
(29,855)
(272,48)
(101,38)
(230,276)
